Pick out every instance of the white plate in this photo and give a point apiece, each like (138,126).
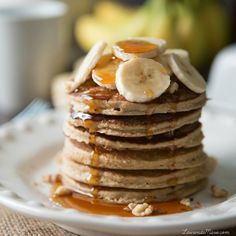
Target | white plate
(27,151)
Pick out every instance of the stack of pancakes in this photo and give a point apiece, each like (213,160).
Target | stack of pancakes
(122,152)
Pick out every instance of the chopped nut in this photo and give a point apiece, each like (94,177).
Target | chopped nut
(189,202)
(197,205)
(62,191)
(131,206)
(143,209)
(127,209)
(218,192)
(186,202)
(50,179)
(173,87)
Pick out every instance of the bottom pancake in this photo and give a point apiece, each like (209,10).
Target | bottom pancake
(125,196)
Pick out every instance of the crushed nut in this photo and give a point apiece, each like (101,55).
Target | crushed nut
(197,205)
(218,192)
(186,202)
(127,209)
(131,206)
(51,179)
(173,87)
(143,209)
(62,191)
(190,203)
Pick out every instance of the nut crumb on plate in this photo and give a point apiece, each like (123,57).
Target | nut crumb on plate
(189,202)
(173,87)
(197,205)
(186,202)
(143,209)
(218,192)
(62,191)
(50,179)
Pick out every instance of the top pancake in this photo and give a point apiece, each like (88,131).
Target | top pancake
(92,98)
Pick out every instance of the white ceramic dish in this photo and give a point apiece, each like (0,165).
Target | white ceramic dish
(27,151)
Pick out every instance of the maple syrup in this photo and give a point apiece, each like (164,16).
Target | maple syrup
(106,69)
(91,126)
(95,206)
(135,46)
(94,174)
(98,93)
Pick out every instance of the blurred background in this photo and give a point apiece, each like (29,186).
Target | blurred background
(43,41)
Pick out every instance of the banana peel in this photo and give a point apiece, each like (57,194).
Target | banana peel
(160,22)
(89,29)
(198,26)
(216,27)
(190,34)
(110,12)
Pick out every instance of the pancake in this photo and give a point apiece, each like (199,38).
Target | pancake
(135,179)
(125,196)
(187,136)
(138,126)
(145,146)
(133,160)
(90,98)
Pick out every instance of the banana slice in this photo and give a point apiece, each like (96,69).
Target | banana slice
(104,74)
(86,67)
(141,79)
(187,74)
(163,59)
(179,52)
(144,47)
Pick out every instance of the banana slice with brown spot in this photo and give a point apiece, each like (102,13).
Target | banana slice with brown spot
(141,80)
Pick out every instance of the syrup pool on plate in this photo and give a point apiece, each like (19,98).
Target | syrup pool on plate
(95,206)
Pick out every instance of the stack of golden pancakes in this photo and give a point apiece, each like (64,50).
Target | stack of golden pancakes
(133,132)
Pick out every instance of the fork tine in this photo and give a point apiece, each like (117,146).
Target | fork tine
(25,110)
(36,107)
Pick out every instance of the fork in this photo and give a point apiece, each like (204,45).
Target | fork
(36,107)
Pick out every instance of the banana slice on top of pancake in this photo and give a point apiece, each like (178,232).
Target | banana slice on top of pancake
(86,67)
(141,79)
(179,52)
(144,47)
(187,74)
(104,74)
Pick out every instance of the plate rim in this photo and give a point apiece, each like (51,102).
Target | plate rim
(35,209)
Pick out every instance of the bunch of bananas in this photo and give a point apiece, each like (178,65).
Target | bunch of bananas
(199,26)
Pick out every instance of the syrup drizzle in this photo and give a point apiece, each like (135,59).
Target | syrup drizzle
(149,132)
(91,126)
(135,46)
(106,69)
(94,177)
